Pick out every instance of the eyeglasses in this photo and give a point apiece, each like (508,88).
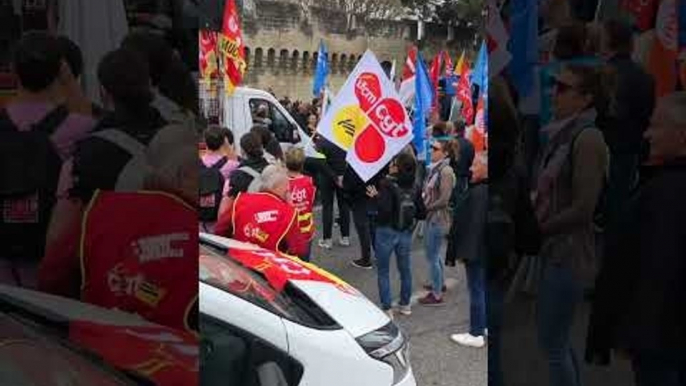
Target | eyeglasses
(436,148)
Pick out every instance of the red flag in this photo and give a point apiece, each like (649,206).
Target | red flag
(208,55)
(663,54)
(166,356)
(278,268)
(407,87)
(449,67)
(434,75)
(644,12)
(409,69)
(464,94)
(232,48)
(435,70)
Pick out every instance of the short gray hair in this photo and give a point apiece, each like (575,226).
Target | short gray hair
(273,176)
(172,158)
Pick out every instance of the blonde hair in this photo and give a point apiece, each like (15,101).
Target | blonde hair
(295,159)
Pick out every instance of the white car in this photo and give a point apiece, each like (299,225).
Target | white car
(51,340)
(271,320)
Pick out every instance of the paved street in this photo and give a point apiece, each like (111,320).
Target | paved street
(436,360)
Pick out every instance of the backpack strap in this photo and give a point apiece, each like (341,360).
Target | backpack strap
(220,164)
(250,171)
(123,140)
(48,124)
(52,120)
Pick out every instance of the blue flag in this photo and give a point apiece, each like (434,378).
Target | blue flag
(424,95)
(480,72)
(480,77)
(322,70)
(524,44)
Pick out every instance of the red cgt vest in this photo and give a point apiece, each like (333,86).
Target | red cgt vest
(301,193)
(139,254)
(262,219)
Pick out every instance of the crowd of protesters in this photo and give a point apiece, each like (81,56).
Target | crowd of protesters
(443,200)
(85,187)
(584,199)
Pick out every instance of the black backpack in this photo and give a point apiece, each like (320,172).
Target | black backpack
(211,184)
(29,172)
(408,212)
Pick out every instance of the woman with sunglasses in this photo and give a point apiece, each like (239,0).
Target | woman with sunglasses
(438,189)
(569,178)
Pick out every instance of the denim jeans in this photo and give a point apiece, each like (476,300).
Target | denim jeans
(389,240)
(477,301)
(494,307)
(434,235)
(559,294)
(651,370)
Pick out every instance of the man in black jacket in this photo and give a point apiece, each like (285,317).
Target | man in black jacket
(639,307)
(330,185)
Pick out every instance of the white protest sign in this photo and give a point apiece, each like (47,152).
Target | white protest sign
(367,119)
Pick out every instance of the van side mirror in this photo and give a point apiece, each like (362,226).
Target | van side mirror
(270,374)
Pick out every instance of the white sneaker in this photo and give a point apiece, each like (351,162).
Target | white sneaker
(405,310)
(468,340)
(326,244)
(344,241)
(389,313)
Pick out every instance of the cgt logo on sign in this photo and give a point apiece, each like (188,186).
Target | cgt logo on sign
(387,117)
(367,90)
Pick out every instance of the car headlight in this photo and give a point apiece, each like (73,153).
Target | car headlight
(389,345)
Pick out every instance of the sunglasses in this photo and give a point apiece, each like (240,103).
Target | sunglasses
(436,148)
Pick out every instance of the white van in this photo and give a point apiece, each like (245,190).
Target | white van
(238,116)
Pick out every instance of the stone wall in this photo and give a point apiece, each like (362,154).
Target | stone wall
(282,45)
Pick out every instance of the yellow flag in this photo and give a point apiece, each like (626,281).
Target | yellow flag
(460,63)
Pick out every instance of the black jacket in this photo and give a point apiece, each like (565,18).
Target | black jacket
(640,301)
(239,180)
(387,202)
(336,164)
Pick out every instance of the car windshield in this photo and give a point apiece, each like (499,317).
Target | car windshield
(218,269)
(222,273)
(26,346)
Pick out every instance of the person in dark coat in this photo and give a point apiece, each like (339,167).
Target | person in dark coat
(330,186)
(638,309)
(632,100)
(461,164)
(355,194)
